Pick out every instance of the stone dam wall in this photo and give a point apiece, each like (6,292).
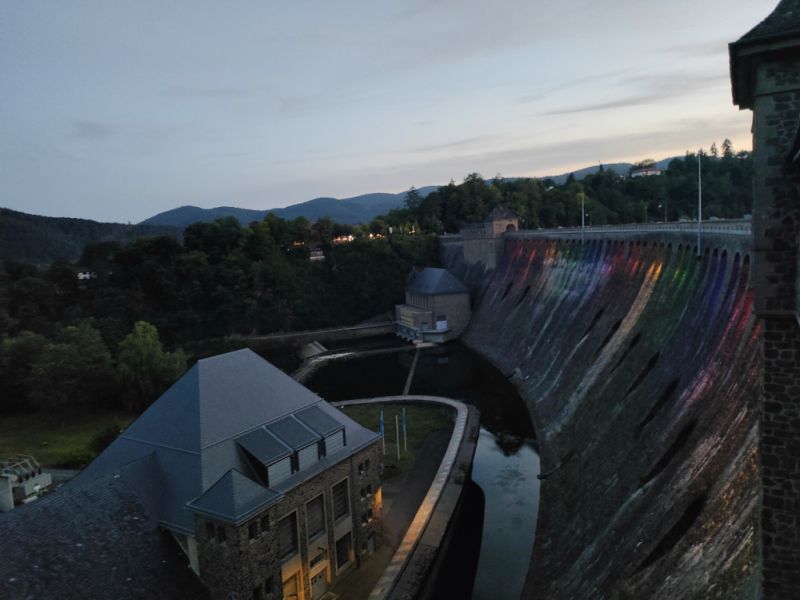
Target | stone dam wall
(639,365)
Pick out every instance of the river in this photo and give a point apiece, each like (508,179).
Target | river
(506,462)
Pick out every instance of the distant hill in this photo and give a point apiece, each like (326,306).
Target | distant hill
(42,240)
(621,168)
(359,209)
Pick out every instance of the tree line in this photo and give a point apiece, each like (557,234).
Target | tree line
(607,197)
(125,330)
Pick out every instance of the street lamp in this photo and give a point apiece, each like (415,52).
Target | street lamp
(583,217)
(699,199)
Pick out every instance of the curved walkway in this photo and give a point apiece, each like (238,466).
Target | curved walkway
(411,539)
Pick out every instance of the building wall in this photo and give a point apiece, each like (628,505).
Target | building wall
(775,231)
(240,564)
(457,310)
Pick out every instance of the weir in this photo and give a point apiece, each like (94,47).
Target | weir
(639,364)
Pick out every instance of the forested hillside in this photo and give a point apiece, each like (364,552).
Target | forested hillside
(67,342)
(42,240)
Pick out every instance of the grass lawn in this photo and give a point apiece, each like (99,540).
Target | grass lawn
(420,421)
(52,443)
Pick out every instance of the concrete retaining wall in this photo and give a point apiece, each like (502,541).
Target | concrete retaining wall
(639,366)
(411,575)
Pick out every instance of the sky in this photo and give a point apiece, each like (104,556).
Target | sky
(116,110)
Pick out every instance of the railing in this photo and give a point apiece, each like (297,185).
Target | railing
(728,227)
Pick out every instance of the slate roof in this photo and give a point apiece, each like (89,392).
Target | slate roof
(780,31)
(191,437)
(234,498)
(433,282)
(91,541)
(784,20)
(500,212)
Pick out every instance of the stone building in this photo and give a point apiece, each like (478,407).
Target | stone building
(268,490)
(437,307)
(499,221)
(765,73)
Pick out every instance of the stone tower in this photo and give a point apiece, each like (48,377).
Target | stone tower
(765,73)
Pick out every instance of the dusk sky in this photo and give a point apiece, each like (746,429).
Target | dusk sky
(116,111)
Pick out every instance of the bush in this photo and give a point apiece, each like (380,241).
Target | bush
(73,459)
(103,438)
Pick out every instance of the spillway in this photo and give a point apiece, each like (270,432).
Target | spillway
(638,362)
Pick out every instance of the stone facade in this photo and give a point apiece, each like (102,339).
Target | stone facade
(246,564)
(766,79)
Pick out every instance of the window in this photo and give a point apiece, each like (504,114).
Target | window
(220,533)
(315,516)
(290,588)
(287,535)
(258,593)
(252,530)
(211,530)
(264,524)
(343,545)
(341,507)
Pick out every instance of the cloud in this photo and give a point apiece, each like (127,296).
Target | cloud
(91,131)
(210,92)
(647,89)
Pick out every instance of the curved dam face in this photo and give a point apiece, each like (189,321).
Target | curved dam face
(639,365)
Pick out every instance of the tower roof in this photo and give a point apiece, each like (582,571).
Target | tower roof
(778,32)
(433,282)
(500,212)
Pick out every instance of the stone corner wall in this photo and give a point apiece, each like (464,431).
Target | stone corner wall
(776,216)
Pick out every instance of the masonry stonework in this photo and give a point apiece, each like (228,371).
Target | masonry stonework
(765,68)
(241,564)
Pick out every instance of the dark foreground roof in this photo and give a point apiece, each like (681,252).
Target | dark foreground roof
(433,282)
(94,542)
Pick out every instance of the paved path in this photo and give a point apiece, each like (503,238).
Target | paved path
(402,497)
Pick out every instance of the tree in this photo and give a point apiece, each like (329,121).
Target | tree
(143,366)
(17,357)
(727,148)
(74,371)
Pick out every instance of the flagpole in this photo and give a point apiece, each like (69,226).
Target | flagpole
(405,433)
(383,437)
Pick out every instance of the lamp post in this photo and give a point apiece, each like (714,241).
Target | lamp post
(583,217)
(699,200)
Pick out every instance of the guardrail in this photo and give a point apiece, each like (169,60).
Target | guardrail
(730,227)
(388,583)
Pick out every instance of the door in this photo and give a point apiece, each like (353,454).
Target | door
(319,585)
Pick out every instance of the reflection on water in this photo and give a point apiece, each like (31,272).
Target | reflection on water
(512,500)
(506,463)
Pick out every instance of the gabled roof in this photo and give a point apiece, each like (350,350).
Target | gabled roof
(432,282)
(500,212)
(234,498)
(779,32)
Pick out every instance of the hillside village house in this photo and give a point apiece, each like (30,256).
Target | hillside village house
(268,490)
(437,307)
